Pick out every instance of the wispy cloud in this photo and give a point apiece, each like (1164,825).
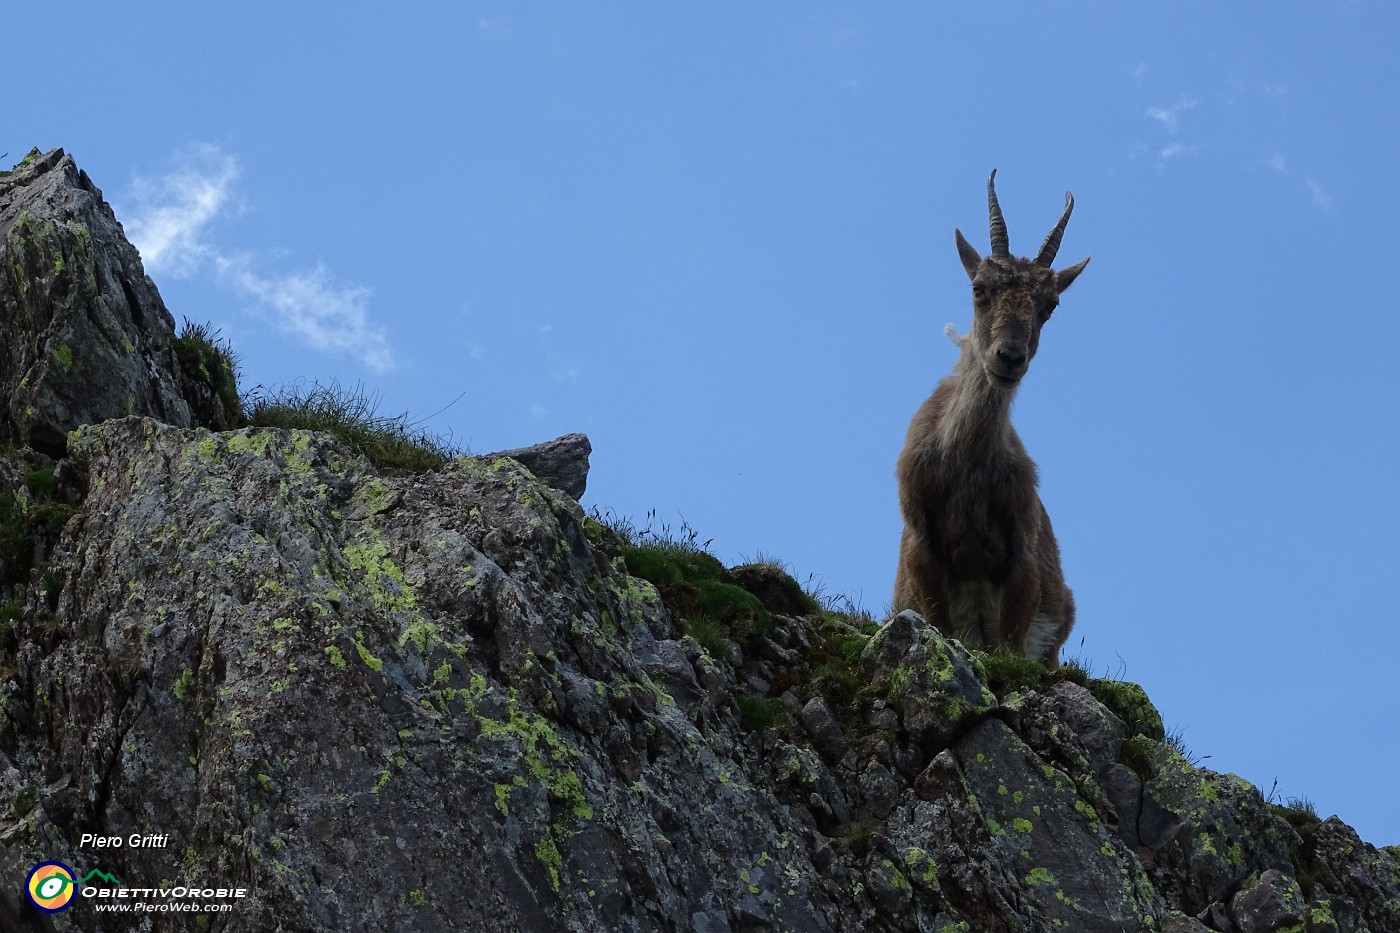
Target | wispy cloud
(1170,117)
(330,316)
(1172,151)
(170,227)
(172,212)
(1278,163)
(1320,197)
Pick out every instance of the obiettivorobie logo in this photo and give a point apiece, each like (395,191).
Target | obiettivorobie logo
(51,885)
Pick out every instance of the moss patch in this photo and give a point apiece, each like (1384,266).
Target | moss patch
(1129,702)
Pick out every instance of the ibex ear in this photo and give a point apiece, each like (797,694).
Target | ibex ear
(968,255)
(1065,277)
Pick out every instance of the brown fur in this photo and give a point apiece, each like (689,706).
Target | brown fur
(978,557)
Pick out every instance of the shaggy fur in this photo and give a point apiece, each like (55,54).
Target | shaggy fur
(978,557)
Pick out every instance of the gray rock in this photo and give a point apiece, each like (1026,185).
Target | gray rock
(561,463)
(1017,839)
(1208,833)
(823,728)
(1272,903)
(932,681)
(1174,921)
(1361,882)
(84,336)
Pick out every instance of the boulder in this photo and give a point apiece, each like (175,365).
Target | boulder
(561,464)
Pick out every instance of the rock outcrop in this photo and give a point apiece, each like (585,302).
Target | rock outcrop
(561,463)
(451,701)
(86,335)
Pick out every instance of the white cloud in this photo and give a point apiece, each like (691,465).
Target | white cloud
(1170,117)
(171,212)
(1320,197)
(1278,163)
(169,225)
(330,316)
(1172,151)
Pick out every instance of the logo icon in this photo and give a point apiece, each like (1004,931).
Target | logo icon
(50,887)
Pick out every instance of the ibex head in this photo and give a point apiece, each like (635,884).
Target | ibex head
(1012,298)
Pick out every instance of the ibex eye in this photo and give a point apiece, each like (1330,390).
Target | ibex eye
(979,290)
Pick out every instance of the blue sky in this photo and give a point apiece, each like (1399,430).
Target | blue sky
(719,240)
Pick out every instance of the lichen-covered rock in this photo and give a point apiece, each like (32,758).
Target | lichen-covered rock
(1357,885)
(84,335)
(932,681)
(1210,832)
(561,463)
(1274,902)
(1017,840)
(306,673)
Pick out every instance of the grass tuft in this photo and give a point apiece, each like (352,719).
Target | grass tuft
(211,371)
(1008,671)
(710,633)
(388,441)
(859,836)
(759,713)
(1176,741)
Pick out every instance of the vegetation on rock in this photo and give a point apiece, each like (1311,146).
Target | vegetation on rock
(391,442)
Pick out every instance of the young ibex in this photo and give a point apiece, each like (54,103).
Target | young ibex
(978,558)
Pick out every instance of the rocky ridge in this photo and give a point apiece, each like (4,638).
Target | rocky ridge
(385,700)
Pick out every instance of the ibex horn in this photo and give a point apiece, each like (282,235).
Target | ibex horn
(1051,246)
(1001,244)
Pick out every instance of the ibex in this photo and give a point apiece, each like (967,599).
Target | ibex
(978,558)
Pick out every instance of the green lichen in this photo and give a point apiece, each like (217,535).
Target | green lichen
(370,661)
(548,854)
(545,754)
(922,864)
(63,354)
(254,443)
(897,878)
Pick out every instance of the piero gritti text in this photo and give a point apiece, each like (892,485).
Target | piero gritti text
(134,841)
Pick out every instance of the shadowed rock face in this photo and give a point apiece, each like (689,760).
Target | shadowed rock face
(86,336)
(439,702)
